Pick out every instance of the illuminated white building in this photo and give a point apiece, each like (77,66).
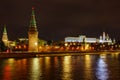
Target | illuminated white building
(105,38)
(82,38)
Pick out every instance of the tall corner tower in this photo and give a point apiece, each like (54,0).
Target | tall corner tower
(33,34)
(5,37)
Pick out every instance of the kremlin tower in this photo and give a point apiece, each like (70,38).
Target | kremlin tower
(5,37)
(33,34)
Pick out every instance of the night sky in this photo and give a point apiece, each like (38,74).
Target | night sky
(57,19)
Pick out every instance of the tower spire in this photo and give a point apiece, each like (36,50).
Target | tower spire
(5,37)
(5,31)
(33,21)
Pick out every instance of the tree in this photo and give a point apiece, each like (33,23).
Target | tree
(2,46)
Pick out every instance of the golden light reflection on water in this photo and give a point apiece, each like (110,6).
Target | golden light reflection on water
(24,61)
(87,61)
(11,61)
(115,55)
(47,67)
(87,68)
(24,64)
(35,69)
(56,61)
(103,56)
(67,68)
(47,62)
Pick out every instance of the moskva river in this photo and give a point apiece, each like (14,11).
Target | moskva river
(84,67)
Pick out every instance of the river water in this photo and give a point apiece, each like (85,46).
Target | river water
(85,67)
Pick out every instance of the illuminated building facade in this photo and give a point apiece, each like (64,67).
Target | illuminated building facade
(105,38)
(82,38)
(33,34)
(5,37)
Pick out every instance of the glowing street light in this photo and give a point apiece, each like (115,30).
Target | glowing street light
(66,44)
(35,43)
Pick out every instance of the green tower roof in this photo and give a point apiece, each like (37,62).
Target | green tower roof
(33,21)
(5,31)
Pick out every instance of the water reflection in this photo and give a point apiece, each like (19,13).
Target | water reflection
(115,55)
(11,60)
(47,62)
(88,67)
(87,61)
(85,67)
(7,73)
(55,61)
(35,69)
(102,70)
(8,69)
(67,68)
(103,56)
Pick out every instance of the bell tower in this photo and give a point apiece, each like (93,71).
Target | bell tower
(33,34)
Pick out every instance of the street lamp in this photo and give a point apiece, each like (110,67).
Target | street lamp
(35,43)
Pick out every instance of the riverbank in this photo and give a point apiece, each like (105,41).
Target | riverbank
(40,54)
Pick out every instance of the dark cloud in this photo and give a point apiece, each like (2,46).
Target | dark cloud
(57,19)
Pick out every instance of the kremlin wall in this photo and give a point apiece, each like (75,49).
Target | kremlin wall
(71,44)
